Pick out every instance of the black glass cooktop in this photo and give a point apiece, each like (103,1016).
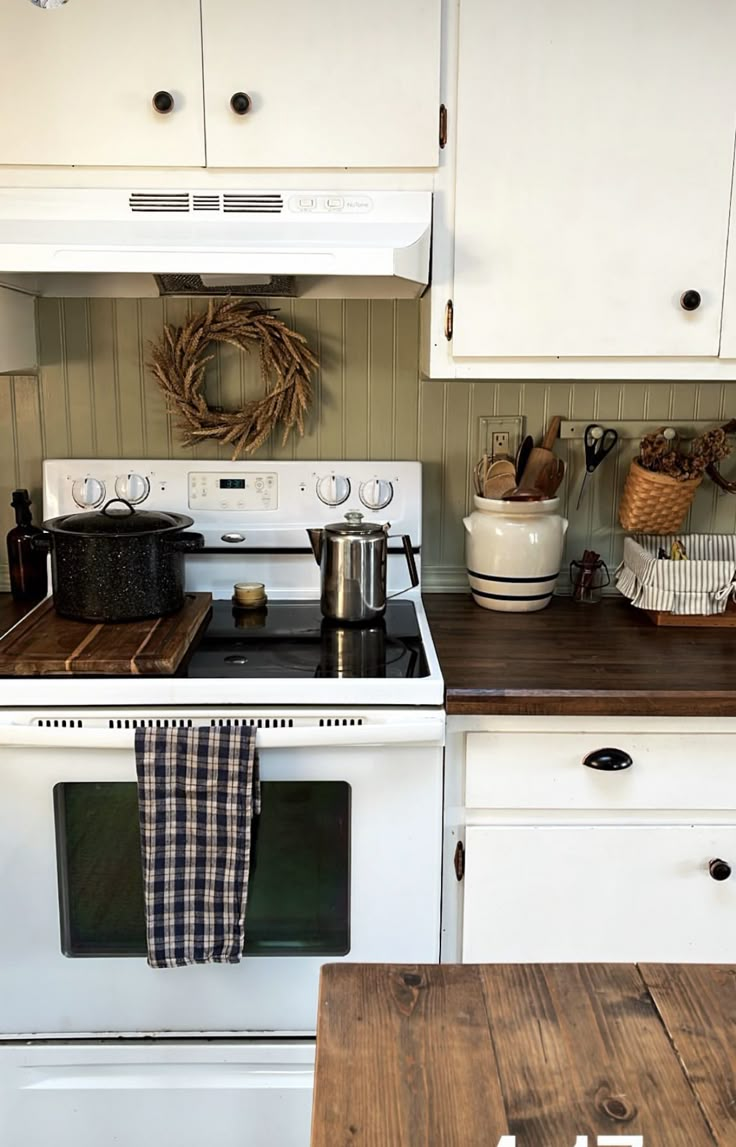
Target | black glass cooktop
(292,639)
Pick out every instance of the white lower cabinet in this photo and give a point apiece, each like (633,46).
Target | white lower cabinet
(604,892)
(149,1094)
(548,858)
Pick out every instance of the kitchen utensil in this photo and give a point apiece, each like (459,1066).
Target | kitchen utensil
(522,456)
(118,565)
(498,485)
(45,644)
(599,442)
(513,550)
(352,557)
(550,475)
(541,456)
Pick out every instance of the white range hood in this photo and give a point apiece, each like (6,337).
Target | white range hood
(113,242)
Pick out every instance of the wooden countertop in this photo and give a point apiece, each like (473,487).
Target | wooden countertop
(10,612)
(459,1055)
(605,659)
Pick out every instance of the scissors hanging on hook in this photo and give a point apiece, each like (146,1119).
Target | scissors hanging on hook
(599,442)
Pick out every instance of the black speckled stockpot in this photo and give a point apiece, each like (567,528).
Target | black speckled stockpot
(118,565)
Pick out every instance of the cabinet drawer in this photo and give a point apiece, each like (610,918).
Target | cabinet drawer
(546,771)
(603,893)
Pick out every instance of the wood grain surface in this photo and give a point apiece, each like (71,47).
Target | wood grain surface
(450,1055)
(11,611)
(45,644)
(698,1007)
(573,659)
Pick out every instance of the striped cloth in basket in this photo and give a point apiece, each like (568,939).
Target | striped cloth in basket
(198,792)
(702,585)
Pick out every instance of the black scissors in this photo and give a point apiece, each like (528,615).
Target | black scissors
(599,442)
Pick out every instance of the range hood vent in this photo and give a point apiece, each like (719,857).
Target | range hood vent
(135,242)
(281,286)
(229,203)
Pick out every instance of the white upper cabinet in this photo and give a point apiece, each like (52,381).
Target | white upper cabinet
(77,83)
(331,83)
(592,183)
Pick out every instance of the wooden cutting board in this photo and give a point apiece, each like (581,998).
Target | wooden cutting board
(44,643)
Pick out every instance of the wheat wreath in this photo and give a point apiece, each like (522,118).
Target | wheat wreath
(179,363)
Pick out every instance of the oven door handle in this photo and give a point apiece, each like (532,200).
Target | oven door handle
(427,730)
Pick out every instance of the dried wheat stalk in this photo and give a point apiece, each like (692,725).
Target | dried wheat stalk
(179,363)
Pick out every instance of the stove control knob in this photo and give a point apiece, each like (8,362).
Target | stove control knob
(133,487)
(89,493)
(376,494)
(333,489)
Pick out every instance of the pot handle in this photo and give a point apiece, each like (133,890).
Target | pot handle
(187,543)
(112,501)
(409,555)
(41,543)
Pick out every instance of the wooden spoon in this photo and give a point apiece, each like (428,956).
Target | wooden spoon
(540,456)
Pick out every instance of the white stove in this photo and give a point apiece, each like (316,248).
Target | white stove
(96,1045)
(254,518)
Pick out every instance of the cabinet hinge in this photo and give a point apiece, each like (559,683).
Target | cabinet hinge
(443,125)
(449,318)
(459,860)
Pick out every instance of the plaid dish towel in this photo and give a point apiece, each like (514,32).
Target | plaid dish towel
(198,791)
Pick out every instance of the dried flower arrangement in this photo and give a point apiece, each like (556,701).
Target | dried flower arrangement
(661,453)
(179,364)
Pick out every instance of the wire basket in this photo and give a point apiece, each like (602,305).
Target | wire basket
(655,503)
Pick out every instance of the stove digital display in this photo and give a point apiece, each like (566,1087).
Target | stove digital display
(232,483)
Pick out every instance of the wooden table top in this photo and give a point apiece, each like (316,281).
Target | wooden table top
(459,1055)
(605,659)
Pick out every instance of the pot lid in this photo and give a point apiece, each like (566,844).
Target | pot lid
(126,520)
(354,524)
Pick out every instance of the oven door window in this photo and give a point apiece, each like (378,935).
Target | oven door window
(299,887)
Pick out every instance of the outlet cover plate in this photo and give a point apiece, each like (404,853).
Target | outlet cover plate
(488,425)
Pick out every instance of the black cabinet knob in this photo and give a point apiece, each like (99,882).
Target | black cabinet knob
(163,102)
(719,869)
(690,300)
(608,760)
(240,102)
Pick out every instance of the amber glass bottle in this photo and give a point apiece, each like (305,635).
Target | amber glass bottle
(28,579)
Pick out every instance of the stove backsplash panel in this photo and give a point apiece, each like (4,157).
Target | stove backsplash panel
(93,397)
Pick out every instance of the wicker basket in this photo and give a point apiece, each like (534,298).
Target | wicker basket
(655,503)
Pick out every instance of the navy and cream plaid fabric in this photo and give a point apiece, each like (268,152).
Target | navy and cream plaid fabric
(198,791)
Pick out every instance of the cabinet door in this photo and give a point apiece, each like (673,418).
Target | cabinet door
(77,82)
(332,83)
(599,893)
(595,144)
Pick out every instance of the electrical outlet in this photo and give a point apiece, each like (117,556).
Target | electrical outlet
(500,436)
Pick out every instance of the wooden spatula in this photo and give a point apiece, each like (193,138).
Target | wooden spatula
(541,456)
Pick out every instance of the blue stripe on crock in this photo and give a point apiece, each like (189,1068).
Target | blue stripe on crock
(517,580)
(511,596)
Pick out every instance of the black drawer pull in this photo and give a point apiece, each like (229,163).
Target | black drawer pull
(163,102)
(690,300)
(240,102)
(608,760)
(719,869)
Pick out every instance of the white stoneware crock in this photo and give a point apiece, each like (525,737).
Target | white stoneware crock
(513,552)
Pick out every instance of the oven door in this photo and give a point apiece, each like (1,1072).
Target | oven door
(346,865)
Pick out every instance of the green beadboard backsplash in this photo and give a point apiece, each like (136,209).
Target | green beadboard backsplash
(94,398)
